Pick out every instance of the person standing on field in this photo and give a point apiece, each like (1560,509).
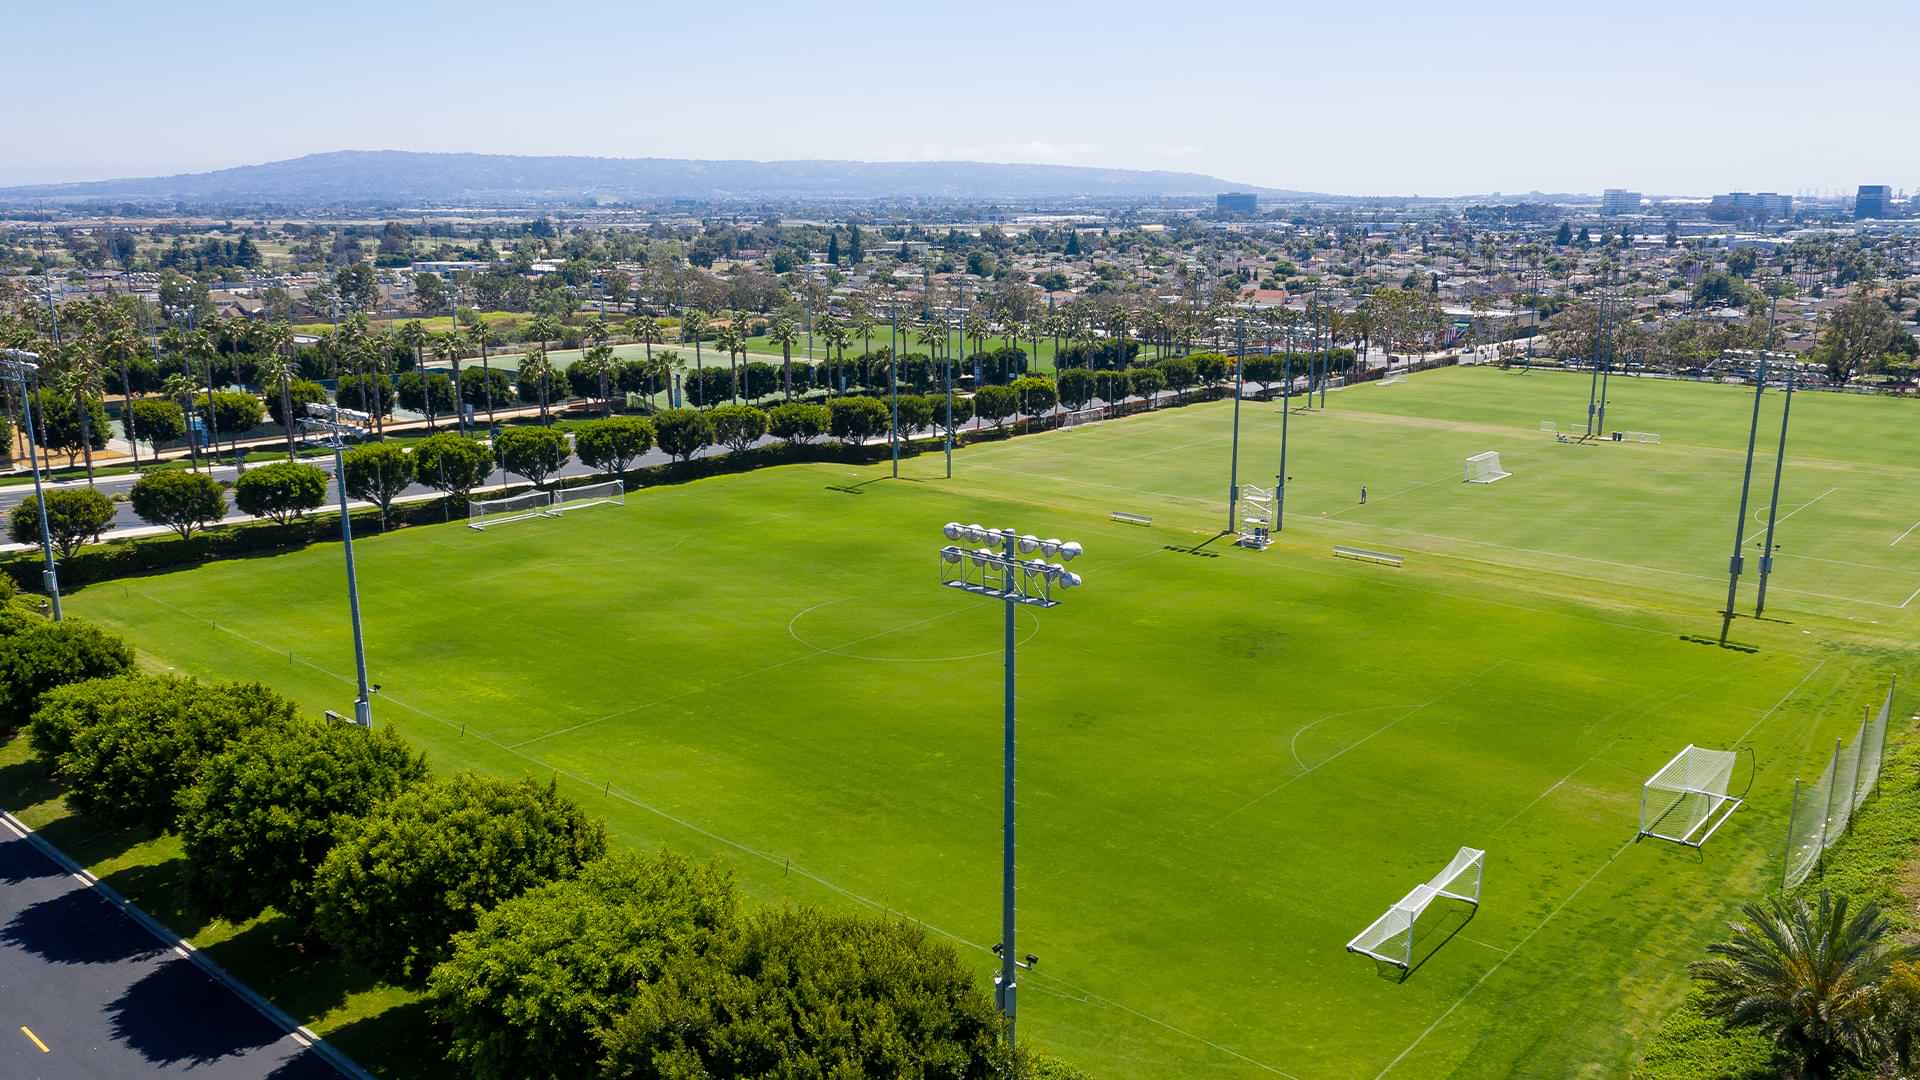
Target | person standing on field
(1363,494)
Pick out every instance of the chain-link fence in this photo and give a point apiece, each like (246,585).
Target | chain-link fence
(1823,809)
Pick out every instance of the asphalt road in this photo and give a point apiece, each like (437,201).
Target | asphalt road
(107,1001)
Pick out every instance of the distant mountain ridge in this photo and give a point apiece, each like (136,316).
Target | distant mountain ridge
(406,177)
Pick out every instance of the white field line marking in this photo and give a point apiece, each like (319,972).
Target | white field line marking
(1293,744)
(1763,536)
(746,849)
(1910,597)
(1451,475)
(1904,535)
(1462,999)
(1389,725)
(1783,700)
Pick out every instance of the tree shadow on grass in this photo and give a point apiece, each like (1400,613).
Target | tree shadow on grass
(400,1043)
(303,977)
(160,890)
(26,783)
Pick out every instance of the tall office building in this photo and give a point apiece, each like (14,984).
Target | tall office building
(1874,201)
(1741,205)
(1236,204)
(1619,201)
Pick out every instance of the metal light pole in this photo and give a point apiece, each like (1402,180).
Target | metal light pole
(1286,408)
(893,384)
(1773,508)
(337,423)
(1003,575)
(1239,385)
(1740,523)
(18,365)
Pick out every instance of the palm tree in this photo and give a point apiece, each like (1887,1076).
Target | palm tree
(692,326)
(535,366)
(414,334)
(647,331)
(179,387)
(1806,975)
(730,339)
(198,345)
(783,333)
(863,325)
(837,339)
(598,362)
(660,371)
(276,373)
(481,335)
(446,348)
(120,342)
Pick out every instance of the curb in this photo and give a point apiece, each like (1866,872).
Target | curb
(184,949)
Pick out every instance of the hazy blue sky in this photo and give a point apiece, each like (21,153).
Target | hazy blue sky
(1388,97)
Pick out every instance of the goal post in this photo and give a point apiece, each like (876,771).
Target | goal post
(611,492)
(1688,800)
(530,504)
(1484,468)
(1084,416)
(1390,937)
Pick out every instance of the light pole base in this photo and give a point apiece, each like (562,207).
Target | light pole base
(363,713)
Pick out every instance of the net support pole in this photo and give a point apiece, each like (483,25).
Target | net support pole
(1833,775)
(1786,855)
(1773,507)
(1859,751)
(1740,523)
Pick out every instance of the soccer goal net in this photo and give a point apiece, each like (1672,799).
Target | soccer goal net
(532,504)
(1689,798)
(1390,938)
(1083,416)
(1485,468)
(574,498)
(1822,810)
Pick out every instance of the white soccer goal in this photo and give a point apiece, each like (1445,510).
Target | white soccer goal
(1390,938)
(574,498)
(1550,427)
(532,504)
(1256,517)
(1689,798)
(1393,380)
(1083,416)
(1485,468)
(1640,436)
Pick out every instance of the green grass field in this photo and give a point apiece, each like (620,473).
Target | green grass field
(1231,761)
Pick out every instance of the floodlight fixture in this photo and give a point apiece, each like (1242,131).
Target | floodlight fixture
(1071,550)
(954,530)
(1029,544)
(1050,547)
(950,554)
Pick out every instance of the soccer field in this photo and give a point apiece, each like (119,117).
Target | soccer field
(1231,762)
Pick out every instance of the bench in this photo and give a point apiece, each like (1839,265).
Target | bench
(1125,518)
(1362,554)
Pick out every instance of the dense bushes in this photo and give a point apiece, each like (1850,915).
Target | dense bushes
(265,811)
(75,516)
(400,882)
(180,499)
(281,491)
(36,657)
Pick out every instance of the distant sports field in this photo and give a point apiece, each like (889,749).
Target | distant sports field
(1231,761)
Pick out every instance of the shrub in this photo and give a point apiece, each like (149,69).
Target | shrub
(995,404)
(304,392)
(614,444)
(401,882)
(452,463)
(857,418)
(533,452)
(75,516)
(262,814)
(157,423)
(181,500)
(281,491)
(371,394)
(916,413)
(683,432)
(737,427)
(796,423)
(148,736)
(530,990)
(38,656)
(378,473)
(1036,394)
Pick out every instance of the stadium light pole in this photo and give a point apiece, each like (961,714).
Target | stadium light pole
(1740,523)
(337,423)
(1286,409)
(1233,458)
(1773,507)
(1003,575)
(18,365)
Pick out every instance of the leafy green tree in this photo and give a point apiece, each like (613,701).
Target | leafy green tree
(75,516)
(37,657)
(378,473)
(1036,394)
(1146,382)
(1178,373)
(1856,335)
(262,813)
(452,463)
(179,499)
(1806,975)
(995,404)
(683,432)
(737,427)
(372,393)
(531,989)
(1076,388)
(234,413)
(857,418)
(156,422)
(299,393)
(951,414)
(612,445)
(62,431)
(412,392)
(797,423)
(148,737)
(1210,367)
(801,992)
(400,882)
(916,413)
(708,386)
(282,491)
(481,387)
(534,453)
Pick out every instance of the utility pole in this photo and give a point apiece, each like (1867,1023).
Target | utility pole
(17,364)
(1286,406)
(1239,384)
